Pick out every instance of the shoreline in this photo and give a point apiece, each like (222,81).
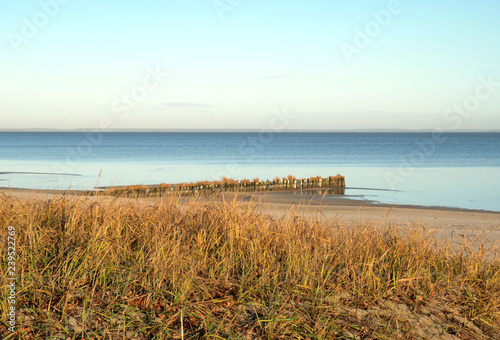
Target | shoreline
(277,197)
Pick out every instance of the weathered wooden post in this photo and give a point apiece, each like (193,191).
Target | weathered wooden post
(325,182)
(310,183)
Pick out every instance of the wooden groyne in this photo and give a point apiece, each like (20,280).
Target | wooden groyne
(232,185)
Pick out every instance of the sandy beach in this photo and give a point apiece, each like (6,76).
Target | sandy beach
(478,229)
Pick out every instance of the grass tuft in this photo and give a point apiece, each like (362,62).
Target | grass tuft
(113,268)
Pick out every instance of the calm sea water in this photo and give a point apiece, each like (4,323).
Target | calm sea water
(454,169)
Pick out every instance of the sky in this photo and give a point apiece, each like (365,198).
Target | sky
(250,64)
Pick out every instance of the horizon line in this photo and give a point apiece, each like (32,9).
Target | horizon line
(381,130)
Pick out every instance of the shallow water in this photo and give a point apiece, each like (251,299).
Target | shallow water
(455,170)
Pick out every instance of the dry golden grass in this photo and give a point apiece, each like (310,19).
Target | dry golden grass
(112,269)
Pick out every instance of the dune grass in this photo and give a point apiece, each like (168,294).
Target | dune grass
(120,269)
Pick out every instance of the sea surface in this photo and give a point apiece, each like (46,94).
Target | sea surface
(449,170)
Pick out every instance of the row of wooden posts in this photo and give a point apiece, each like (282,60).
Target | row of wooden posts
(227,185)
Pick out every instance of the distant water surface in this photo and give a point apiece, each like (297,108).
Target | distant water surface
(454,169)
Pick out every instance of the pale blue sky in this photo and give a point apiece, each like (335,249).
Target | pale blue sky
(233,69)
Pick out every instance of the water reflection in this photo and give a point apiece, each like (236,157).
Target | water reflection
(318,191)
